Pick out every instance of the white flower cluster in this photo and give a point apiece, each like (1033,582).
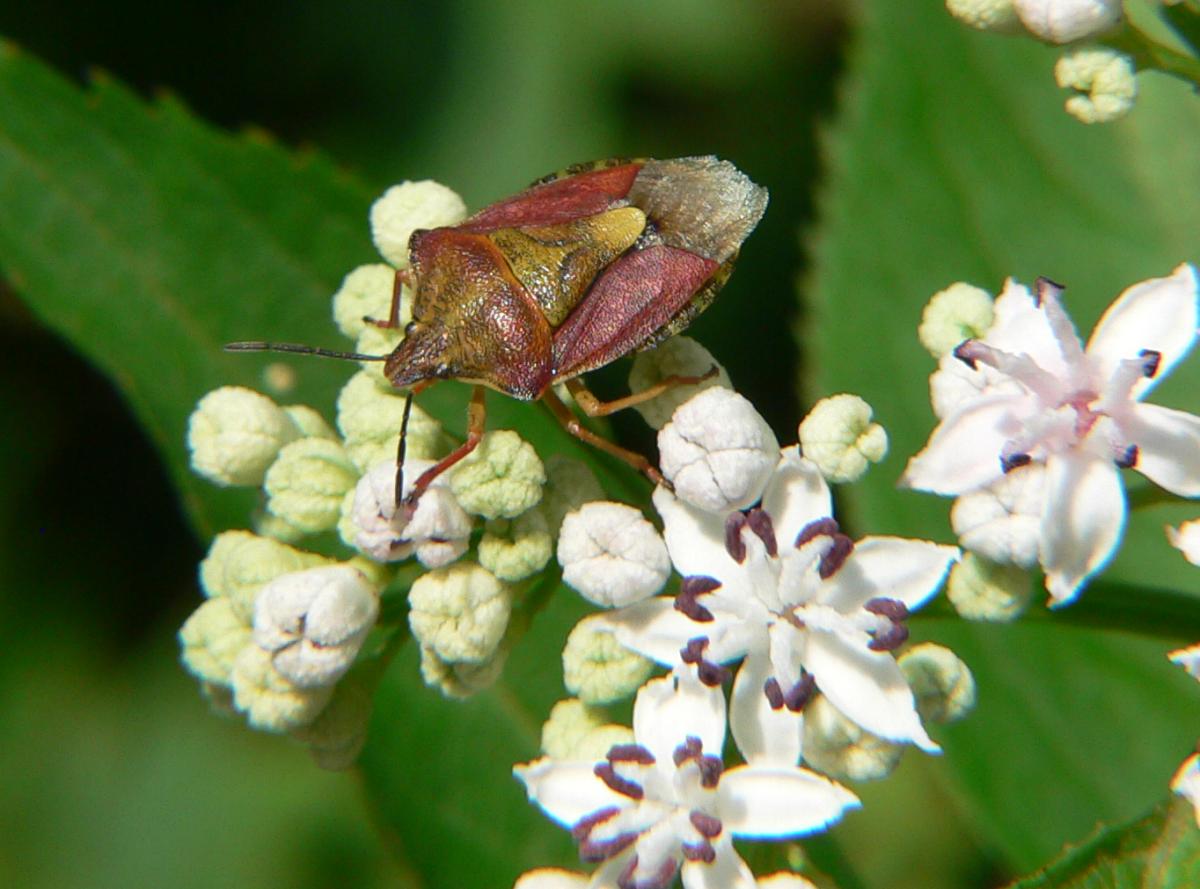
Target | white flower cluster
(1102,80)
(282,627)
(1186,781)
(770,582)
(1036,428)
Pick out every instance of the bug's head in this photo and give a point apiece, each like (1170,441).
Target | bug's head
(425,353)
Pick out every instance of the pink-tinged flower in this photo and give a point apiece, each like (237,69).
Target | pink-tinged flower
(1028,392)
(666,805)
(806,608)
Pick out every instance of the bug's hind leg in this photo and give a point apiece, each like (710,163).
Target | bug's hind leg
(476,420)
(571,423)
(594,407)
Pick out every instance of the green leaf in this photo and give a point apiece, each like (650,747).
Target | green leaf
(148,239)
(955,161)
(1161,850)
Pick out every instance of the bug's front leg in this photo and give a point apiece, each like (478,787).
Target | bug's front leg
(571,423)
(404,278)
(594,407)
(476,421)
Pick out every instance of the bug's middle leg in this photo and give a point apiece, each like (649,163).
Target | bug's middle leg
(476,421)
(571,423)
(404,277)
(594,407)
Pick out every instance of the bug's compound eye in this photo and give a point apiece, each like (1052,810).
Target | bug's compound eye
(410,328)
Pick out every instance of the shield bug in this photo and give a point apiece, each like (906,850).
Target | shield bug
(579,269)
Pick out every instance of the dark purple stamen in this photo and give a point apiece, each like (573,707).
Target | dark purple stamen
(890,639)
(734,545)
(706,825)
(606,773)
(630,753)
(896,633)
(835,557)
(801,693)
(699,584)
(602,850)
(691,748)
(686,602)
(1128,458)
(1044,287)
(760,523)
(892,609)
(661,879)
(709,673)
(1151,359)
(710,767)
(1013,461)
(965,352)
(774,693)
(699,852)
(821,527)
(581,828)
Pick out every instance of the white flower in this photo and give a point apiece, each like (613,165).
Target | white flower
(1186,539)
(805,606)
(717,451)
(1104,81)
(1065,21)
(666,804)
(406,207)
(1003,521)
(314,622)
(841,749)
(611,554)
(1040,397)
(438,531)
(1187,782)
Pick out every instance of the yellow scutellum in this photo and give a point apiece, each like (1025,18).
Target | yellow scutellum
(960,312)
(501,478)
(307,482)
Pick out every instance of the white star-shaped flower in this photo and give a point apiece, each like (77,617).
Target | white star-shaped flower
(804,605)
(665,804)
(1030,392)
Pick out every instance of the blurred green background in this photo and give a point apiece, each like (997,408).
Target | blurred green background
(902,152)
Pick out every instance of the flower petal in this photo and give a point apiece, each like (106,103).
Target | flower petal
(1168,444)
(654,629)
(893,567)
(1022,327)
(796,495)
(551,878)
(775,802)
(727,871)
(1082,523)
(695,539)
(567,791)
(1159,315)
(964,451)
(673,708)
(762,734)
(868,687)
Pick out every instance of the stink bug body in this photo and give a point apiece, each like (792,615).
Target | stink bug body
(577,270)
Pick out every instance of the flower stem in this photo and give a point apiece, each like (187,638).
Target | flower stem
(1148,53)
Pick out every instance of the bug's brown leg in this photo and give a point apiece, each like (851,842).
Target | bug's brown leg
(403,277)
(476,419)
(571,423)
(594,407)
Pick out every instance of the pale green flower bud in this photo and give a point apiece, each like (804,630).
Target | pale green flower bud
(1186,539)
(378,341)
(1104,81)
(314,622)
(1065,21)
(460,612)
(239,564)
(272,703)
(367,293)
(960,312)
(941,683)
(369,419)
(987,15)
(679,356)
(267,525)
(784,880)
(234,434)
(306,483)
(594,745)
(211,639)
(570,485)
(842,749)
(309,422)
(516,549)
(980,589)
(839,437)
(501,478)
(551,878)
(599,670)
(717,451)
(570,722)
(460,680)
(611,555)
(406,207)
(337,735)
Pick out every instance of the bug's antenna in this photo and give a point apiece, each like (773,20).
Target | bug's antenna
(401,447)
(301,350)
